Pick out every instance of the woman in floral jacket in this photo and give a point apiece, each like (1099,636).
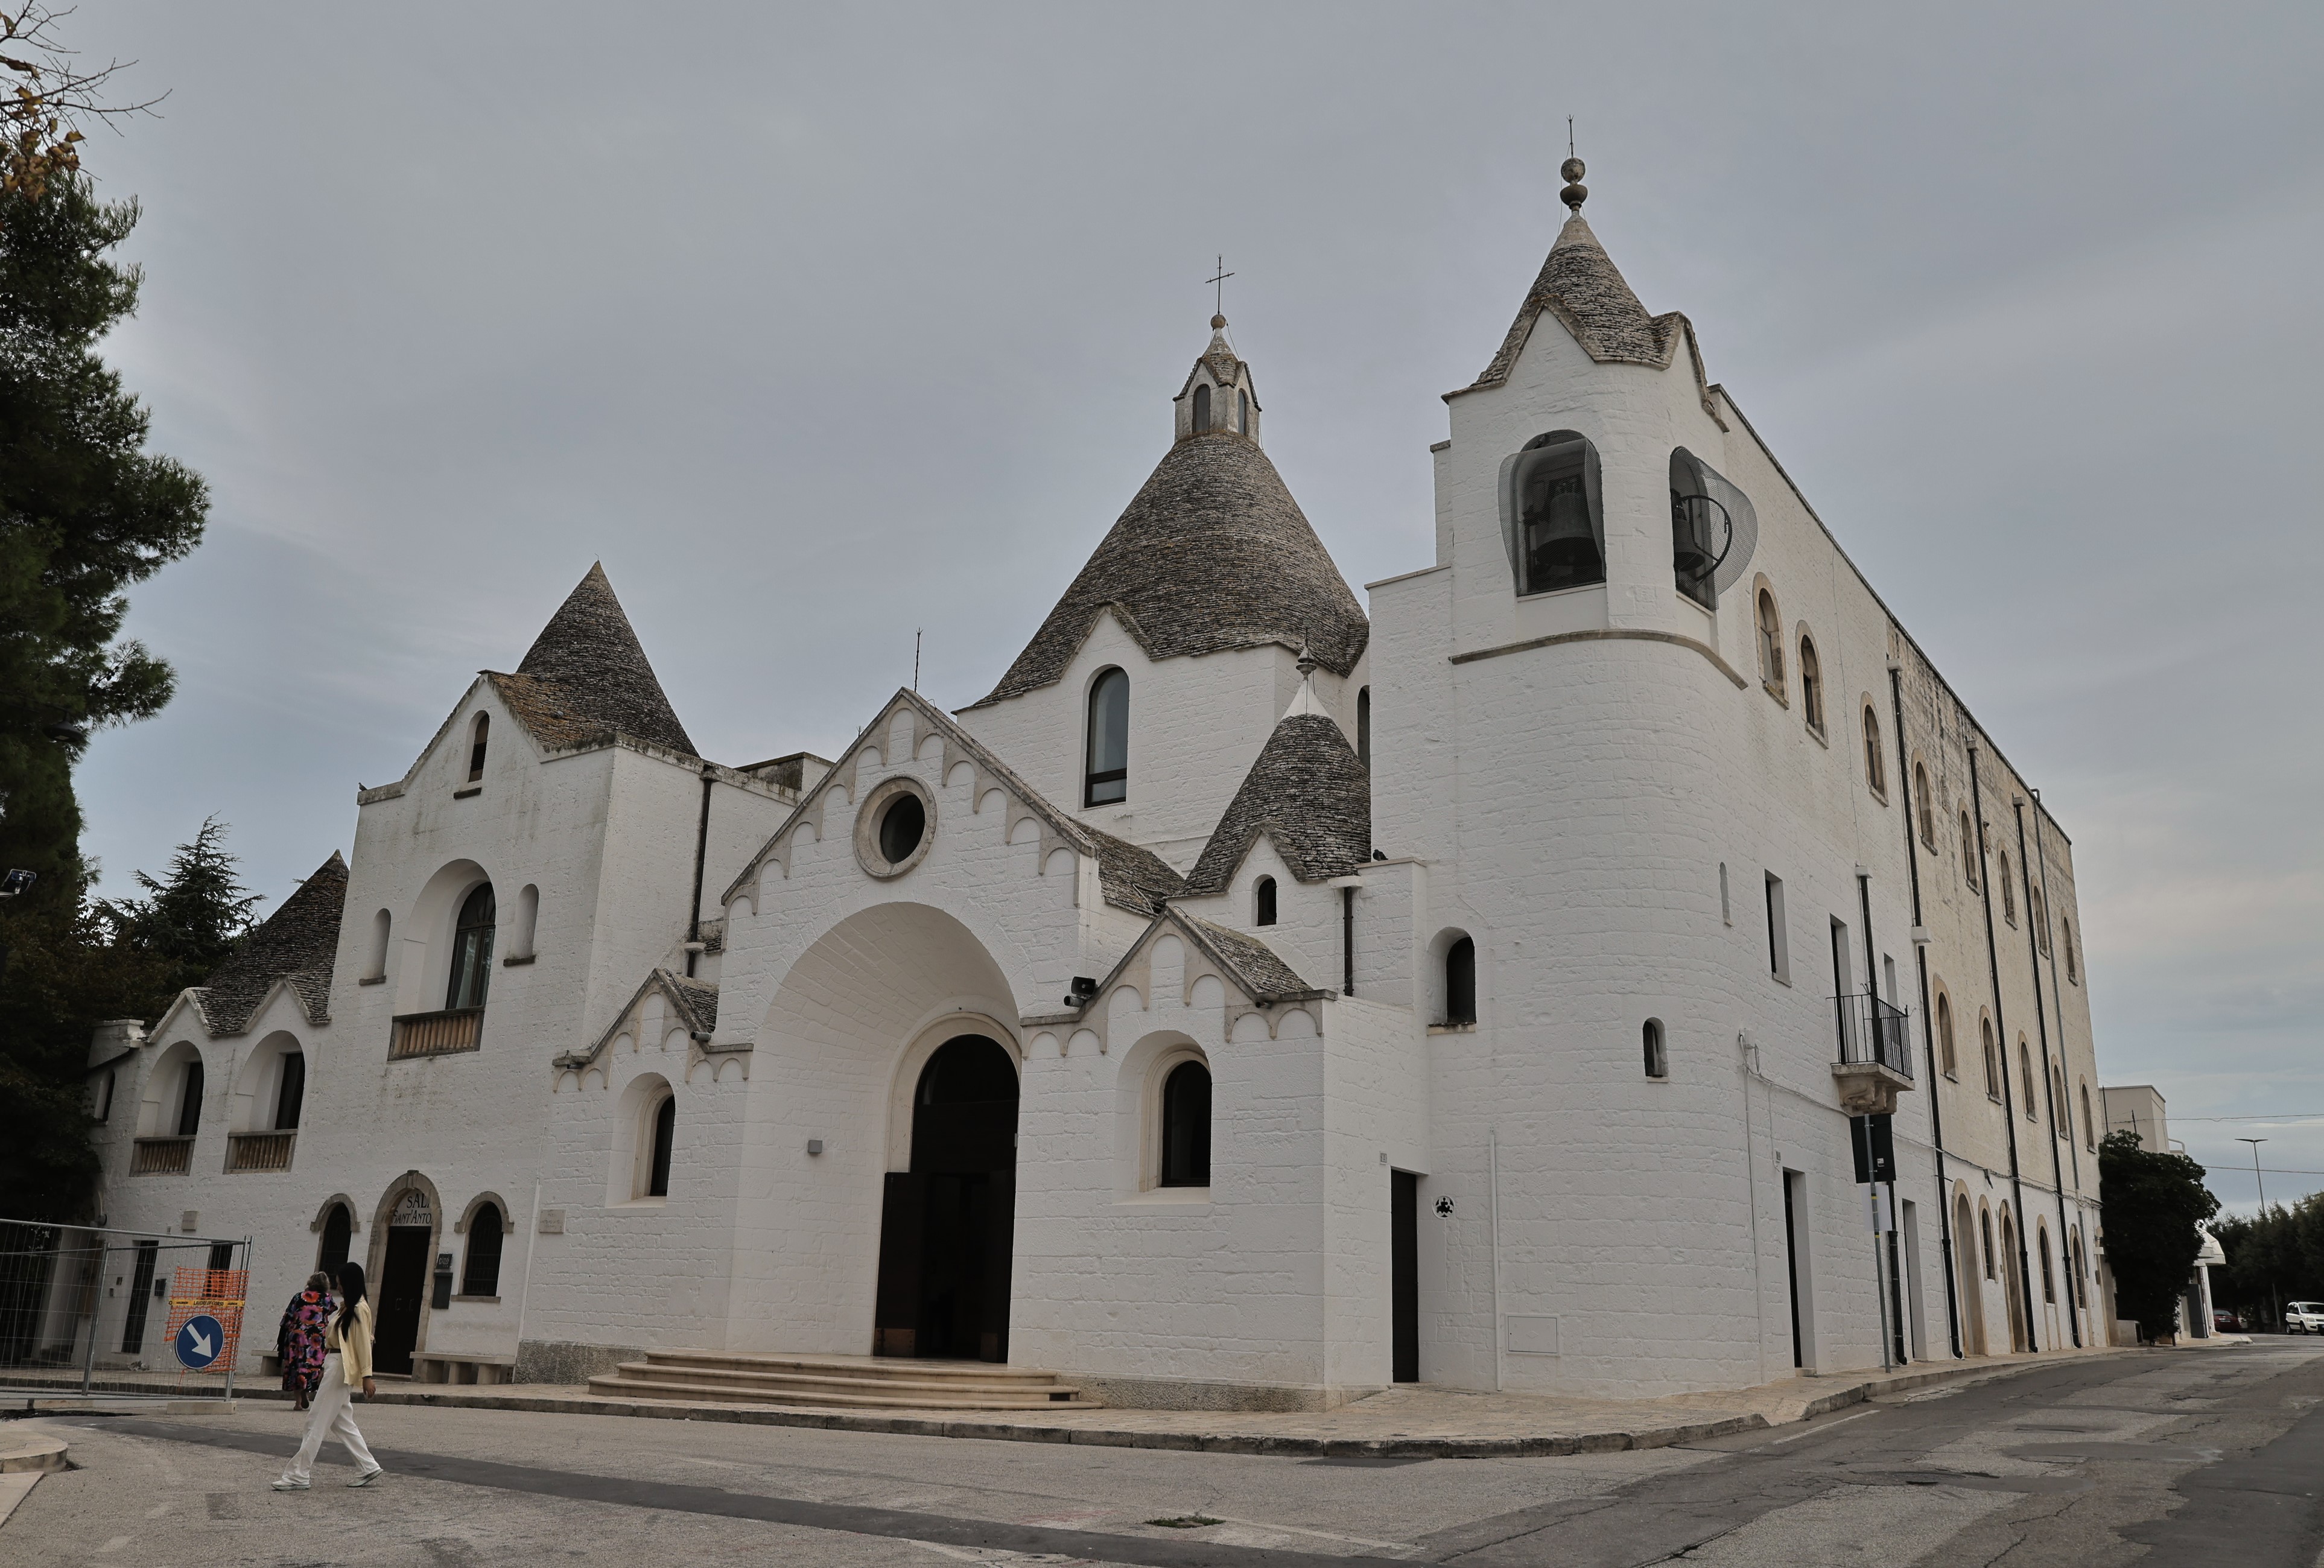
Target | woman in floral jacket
(299,1342)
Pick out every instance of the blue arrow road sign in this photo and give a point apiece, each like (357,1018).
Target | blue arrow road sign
(200,1339)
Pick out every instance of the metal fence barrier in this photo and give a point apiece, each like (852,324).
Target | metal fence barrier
(97,1310)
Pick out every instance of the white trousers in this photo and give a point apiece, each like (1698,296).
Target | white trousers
(332,1415)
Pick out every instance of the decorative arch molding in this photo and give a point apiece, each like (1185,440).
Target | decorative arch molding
(508,1225)
(337,1201)
(922,1045)
(411,1181)
(1145,1069)
(1256,982)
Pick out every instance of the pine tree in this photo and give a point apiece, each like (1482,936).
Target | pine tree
(195,918)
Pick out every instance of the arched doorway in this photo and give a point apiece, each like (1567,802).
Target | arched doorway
(2011,1281)
(1965,1263)
(402,1289)
(947,1225)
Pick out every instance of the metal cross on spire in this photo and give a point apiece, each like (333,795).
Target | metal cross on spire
(1218,284)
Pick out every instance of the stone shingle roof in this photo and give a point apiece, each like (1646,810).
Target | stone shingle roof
(1309,794)
(1579,286)
(694,1001)
(1133,879)
(297,943)
(1263,976)
(586,675)
(1212,553)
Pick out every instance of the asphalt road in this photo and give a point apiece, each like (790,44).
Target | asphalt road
(2163,1458)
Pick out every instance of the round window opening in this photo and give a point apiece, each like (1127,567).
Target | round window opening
(901,827)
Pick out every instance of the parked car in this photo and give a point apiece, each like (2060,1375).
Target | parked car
(2227,1322)
(2305,1317)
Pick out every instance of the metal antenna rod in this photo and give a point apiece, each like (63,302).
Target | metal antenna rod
(916,659)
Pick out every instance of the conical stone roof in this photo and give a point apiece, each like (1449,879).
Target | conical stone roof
(591,658)
(1579,284)
(1309,793)
(297,942)
(1212,553)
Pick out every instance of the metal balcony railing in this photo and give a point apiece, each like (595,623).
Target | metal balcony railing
(161,1156)
(433,1034)
(259,1150)
(1872,1031)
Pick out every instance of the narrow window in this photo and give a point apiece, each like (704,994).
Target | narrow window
(528,918)
(1202,408)
(1726,910)
(2040,911)
(1779,941)
(1263,901)
(1461,982)
(2025,1075)
(1921,803)
(1243,413)
(1843,967)
(1874,775)
(339,1232)
(2066,939)
(1107,778)
(1985,1226)
(189,1099)
(2065,1107)
(1945,1036)
(375,961)
(1186,1126)
(480,1275)
(2008,891)
(472,951)
(1364,726)
(1969,853)
(1553,500)
(665,1131)
(1992,1061)
(1658,1062)
(291,1097)
(1771,643)
(2090,1127)
(476,747)
(105,1098)
(1811,684)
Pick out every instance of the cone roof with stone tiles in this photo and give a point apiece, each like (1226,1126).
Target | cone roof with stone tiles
(297,942)
(587,672)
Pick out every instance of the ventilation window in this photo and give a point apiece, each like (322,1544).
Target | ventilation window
(1945,1058)
(1771,644)
(1876,777)
(481,1275)
(901,827)
(1811,682)
(1202,408)
(1263,902)
(1657,1061)
(472,951)
(1921,804)
(1186,1126)
(1106,780)
(476,747)
(1461,982)
(1779,940)
(1552,500)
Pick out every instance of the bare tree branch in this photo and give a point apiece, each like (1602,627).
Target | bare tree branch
(52,97)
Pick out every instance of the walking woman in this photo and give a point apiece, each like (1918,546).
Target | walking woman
(299,1342)
(346,1367)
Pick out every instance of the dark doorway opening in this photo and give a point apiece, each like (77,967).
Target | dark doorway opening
(402,1284)
(141,1295)
(1404,1270)
(1792,1180)
(947,1226)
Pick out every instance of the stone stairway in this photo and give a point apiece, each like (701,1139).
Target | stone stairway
(837,1382)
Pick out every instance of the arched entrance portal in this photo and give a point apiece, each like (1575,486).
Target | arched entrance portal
(947,1225)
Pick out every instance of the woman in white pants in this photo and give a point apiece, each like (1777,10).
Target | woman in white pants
(347,1366)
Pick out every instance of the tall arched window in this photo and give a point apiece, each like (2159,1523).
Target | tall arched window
(1460,981)
(2089,1127)
(1945,1035)
(1263,902)
(338,1229)
(189,1099)
(1186,1126)
(1243,413)
(1106,778)
(1876,777)
(1811,682)
(1925,808)
(477,736)
(665,1133)
(1992,1061)
(1969,852)
(1364,726)
(2049,1281)
(2066,940)
(2040,912)
(472,951)
(2008,891)
(2065,1113)
(2025,1075)
(292,1096)
(1771,642)
(1202,407)
(1985,1226)
(480,1275)
(1552,500)
(1657,1059)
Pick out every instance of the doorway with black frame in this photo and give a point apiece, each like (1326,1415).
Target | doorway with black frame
(947,1227)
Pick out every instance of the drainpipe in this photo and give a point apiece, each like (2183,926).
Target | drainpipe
(1928,1021)
(2034,932)
(2001,1030)
(701,851)
(1347,938)
(2058,1003)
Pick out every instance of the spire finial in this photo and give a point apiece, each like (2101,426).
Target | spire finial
(1218,282)
(1575,193)
(1308,662)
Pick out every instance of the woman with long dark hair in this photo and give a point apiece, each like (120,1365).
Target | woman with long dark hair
(346,1367)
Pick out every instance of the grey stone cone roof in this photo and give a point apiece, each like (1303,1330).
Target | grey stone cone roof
(1579,286)
(1211,554)
(587,665)
(299,943)
(1308,793)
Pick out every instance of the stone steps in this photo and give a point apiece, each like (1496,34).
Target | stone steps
(839,1382)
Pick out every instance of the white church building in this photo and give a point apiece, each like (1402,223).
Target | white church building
(1266,994)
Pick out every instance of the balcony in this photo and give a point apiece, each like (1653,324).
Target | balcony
(259,1150)
(1876,1054)
(161,1156)
(437,1034)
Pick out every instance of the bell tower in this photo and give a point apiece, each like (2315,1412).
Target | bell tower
(1217,397)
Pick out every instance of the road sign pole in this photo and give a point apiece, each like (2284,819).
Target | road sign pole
(234,1351)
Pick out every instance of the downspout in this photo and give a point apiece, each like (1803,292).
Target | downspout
(1928,1023)
(2033,932)
(2058,1003)
(1348,941)
(701,852)
(2001,1044)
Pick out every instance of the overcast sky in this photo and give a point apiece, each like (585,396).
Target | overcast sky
(819,324)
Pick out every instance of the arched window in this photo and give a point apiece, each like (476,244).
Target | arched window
(1876,777)
(472,951)
(1771,643)
(1925,808)
(1945,1035)
(1811,682)
(2089,1127)
(1243,413)
(1657,1060)
(1263,902)
(1202,408)
(104,1097)
(1552,500)
(1107,777)
(480,1274)
(2066,940)
(1364,726)
(2040,912)
(375,960)
(338,1229)
(1992,1061)
(477,736)
(1969,853)
(291,1097)
(2065,1113)
(1186,1126)
(528,919)
(1460,981)
(1985,1229)
(189,1099)
(2025,1075)
(2049,1282)
(2008,891)
(665,1132)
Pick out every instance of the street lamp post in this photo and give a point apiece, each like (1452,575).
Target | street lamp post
(2255,1142)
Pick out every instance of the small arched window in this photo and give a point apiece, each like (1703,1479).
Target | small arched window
(1992,1061)
(2065,1107)
(291,1097)
(1924,808)
(1202,408)
(2008,891)
(2066,940)
(1263,902)
(1186,1126)
(665,1134)
(1945,1036)
(1243,413)
(2025,1075)
(1364,726)
(1656,1058)
(338,1231)
(1876,777)
(1811,682)
(1969,853)
(2089,1127)
(1460,981)
(1552,500)
(376,960)
(472,951)
(528,918)
(1106,778)
(1771,643)
(189,1099)
(477,736)
(480,1275)
(1985,1226)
